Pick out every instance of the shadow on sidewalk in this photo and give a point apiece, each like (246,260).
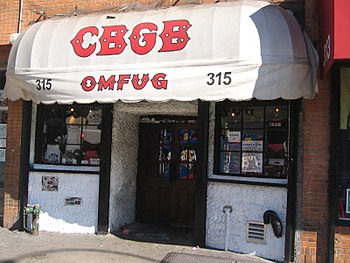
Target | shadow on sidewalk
(157,233)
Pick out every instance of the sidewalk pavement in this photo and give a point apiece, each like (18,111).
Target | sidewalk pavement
(17,246)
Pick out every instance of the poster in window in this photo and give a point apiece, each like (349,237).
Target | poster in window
(3,143)
(3,129)
(234,136)
(231,163)
(252,146)
(2,155)
(252,163)
(347,201)
(235,163)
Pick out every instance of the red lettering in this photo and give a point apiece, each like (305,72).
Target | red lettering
(103,84)
(148,40)
(112,40)
(77,42)
(123,79)
(174,35)
(159,81)
(88,83)
(142,39)
(140,84)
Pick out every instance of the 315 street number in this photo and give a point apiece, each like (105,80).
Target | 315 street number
(221,78)
(43,84)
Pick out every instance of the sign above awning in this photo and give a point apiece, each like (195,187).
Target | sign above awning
(334,32)
(238,50)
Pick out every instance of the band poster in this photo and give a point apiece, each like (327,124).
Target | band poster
(252,162)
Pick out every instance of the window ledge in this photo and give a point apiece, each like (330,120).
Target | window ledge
(64,168)
(250,180)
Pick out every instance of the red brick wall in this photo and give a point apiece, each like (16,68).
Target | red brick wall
(8,20)
(342,245)
(12,168)
(314,210)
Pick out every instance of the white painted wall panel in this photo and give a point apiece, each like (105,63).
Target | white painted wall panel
(55,215)
(249,202)
(123,169)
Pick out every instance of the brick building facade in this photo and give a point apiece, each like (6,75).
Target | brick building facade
(315,238)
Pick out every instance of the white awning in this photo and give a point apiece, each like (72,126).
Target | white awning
(237,50)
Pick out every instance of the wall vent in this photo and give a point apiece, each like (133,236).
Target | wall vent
(256,232)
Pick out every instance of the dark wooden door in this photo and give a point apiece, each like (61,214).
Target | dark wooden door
(166,173)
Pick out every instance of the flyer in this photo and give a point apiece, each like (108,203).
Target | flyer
(252,162)
(234,136)
(252,146)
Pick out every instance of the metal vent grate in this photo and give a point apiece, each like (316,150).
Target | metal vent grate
(256,232)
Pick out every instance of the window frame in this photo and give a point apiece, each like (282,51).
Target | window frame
(39,140)
(251,178)
(340,138)
(3,108)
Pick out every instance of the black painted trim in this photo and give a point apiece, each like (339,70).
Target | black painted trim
(295,110)
(227,103)
(202,171)
(24,157)
(105,168)
(339,222)
(333,164)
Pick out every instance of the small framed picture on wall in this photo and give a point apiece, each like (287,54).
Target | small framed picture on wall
(347,208)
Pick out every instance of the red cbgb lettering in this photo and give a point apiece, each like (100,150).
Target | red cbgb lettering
(174,35)
(158,82)
(142,39)
(148,40)
(112,40)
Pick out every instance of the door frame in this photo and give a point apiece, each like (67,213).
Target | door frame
(168,199)
(200,207)
(201,184)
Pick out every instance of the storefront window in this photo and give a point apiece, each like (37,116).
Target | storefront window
(69,134)
(3,133)
(344,140)
(252,140)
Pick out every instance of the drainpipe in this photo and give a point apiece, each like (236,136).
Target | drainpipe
(227,210)
(14,36)
(19,24)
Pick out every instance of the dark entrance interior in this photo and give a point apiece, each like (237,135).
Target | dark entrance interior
(167,171)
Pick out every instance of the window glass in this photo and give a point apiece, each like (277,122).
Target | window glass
(2,79)
(3,133)
(188,154)
(69,134)
(343,189)
(252,140)
(165,152)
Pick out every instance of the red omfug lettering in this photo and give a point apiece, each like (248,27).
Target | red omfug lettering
(88,83)
(158,81)
(139,84)
(123,79)
(142,39)
(109,84)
